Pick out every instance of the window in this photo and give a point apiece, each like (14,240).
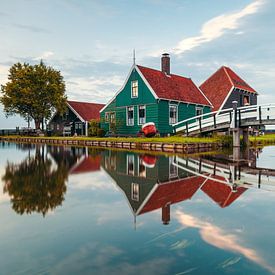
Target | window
(57,127)
(173,169)
(130,116)
(246,100)
(135,191)
(130,165)
(173,114)
(134,88)
(141,114)
(106,117)
(199,111)
(112,117)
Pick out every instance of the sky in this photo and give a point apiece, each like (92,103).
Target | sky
(91,41)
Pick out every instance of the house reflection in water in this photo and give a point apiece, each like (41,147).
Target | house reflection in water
(152,182)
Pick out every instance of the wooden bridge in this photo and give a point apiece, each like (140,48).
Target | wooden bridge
(230,174)
(232,118)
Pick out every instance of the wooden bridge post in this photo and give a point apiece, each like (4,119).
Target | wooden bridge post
(236,129)
(246,137)
(236,133)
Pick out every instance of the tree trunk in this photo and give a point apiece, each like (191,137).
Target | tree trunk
(37,124)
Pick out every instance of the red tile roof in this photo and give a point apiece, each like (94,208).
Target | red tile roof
(88,164)
(172,193)
(173,87)
(222,193)
(87,111)
(217,86)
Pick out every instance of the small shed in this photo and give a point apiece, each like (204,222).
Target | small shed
(75,119)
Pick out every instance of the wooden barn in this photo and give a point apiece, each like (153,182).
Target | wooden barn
(75,119)
(225,86)
(150,95)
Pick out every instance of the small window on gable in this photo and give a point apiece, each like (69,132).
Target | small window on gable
(135,191)
(134,88)
(246,100)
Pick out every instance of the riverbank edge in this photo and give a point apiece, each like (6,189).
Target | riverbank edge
(130,145)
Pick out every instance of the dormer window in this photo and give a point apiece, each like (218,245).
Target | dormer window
(134,89)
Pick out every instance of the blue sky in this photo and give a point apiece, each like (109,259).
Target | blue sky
(91,42)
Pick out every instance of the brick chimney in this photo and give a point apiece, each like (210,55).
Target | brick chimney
(165,214)
(165,63)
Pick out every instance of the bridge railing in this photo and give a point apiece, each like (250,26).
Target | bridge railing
(203,121)
(214,119)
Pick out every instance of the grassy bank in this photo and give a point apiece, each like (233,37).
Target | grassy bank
(172,139)
(268,139)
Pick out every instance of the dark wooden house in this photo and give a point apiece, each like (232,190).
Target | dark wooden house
(76,118)
(225,86)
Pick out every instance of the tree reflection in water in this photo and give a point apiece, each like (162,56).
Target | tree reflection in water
(36,184)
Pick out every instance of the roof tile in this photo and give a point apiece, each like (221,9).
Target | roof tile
(86,110)
(173,87)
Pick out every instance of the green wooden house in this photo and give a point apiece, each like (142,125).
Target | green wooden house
(150,95)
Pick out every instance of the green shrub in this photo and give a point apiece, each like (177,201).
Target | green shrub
(93,128)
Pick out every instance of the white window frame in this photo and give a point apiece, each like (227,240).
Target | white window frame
(134,84)
(107,117)
(175,173)
(141,123)
(128,158)
(127,119)
(135,191)
(177,113)
(199,109)
(112,117)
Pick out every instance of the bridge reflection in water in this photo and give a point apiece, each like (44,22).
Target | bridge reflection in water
(151,182)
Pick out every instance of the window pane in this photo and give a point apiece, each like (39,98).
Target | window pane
(172,114)
(134,88)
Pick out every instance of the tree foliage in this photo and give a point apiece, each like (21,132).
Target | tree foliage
(33,91)
(34,186)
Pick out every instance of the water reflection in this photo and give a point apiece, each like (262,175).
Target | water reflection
(35,185)
(149,182)
(210,204)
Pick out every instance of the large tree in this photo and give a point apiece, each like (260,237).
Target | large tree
(33,92)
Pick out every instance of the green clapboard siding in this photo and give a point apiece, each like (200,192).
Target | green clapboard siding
(157,111)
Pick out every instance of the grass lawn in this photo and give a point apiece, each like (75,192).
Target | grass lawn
(172,139)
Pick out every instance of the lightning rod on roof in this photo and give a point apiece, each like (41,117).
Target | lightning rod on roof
(134,57)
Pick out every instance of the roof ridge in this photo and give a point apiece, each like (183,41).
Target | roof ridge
(225,70)
(164,73)
(85,102)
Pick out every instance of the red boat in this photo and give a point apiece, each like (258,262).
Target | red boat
(149,129)
(149,161)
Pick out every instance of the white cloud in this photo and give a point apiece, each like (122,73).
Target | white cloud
(218,237)
(216,27)
(44,55)
(4,70)
(95,89)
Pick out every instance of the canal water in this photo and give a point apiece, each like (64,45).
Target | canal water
(69,210)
